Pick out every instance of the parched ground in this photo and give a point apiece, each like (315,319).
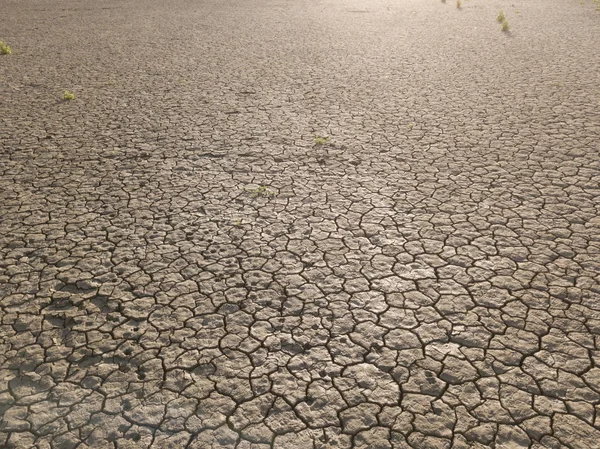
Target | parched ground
(183,264)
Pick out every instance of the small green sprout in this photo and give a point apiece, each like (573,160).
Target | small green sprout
(68,96)
(321,140)
(458,4)
(4,48)
(501,17)
(262,191)
(505,26)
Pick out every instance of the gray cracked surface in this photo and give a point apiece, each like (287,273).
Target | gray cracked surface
(181,265)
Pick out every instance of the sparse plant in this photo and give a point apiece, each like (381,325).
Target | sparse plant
(501,17)
(322,140)
(262,191)
(458,4)
(4,48)
(67,95)
(505,26)
(443,1)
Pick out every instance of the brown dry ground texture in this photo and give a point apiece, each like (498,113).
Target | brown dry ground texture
(182,265)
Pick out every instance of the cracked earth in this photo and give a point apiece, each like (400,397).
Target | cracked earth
(291,225)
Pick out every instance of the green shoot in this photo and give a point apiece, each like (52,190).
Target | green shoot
(4,48)
(321,140)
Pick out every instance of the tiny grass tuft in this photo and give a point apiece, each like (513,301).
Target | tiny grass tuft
(458,4)
(262,191)
(501,17)
(505,26)
(321,140)
(4,48)
(67,96)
